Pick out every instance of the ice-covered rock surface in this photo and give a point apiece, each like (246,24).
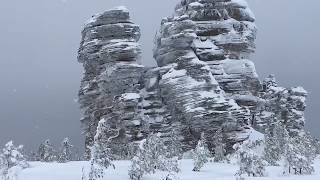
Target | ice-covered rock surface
(204,80)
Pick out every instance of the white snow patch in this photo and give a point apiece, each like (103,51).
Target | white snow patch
(121,8)
(241,2)
(255,136)
(130,96)
(300,90)
(243,66)
(216,171)
(195,4)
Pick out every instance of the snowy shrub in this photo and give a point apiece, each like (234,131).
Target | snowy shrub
(151,156)
(46,153)
(11,161)
(201,154)
(65,154)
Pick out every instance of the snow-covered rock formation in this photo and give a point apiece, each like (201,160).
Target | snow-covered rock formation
(204,80)
(110,56)
(202,51)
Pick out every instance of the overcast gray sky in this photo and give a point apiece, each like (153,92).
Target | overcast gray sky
(40,75)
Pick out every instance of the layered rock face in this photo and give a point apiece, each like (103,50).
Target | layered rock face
(204,48)
(204,79)
(110,54)
(286,105)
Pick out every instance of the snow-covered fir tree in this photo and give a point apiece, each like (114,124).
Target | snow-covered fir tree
(101,157)
(137,168)
(174,145)
(299,155)
(275,139)
(101,152)
(316,143)
(65,154)
(46,152)
(310,149)
(152,155)
(201,154)
(219,146)
(96,172)
(11,157)
(249,160)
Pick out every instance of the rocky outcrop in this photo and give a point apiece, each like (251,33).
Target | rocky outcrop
(286,105)
(204,48)
(110,56)
(204,80)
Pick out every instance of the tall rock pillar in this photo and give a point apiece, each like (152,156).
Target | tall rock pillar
(110,56)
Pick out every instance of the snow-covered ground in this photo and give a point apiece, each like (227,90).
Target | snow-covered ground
(212,171)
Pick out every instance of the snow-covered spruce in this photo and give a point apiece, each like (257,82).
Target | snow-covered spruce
(46,152)
(219,146)
(65,154)
(250,159)
(151,156)
(275,141)
(200,154)
(101,157)
(299,155)
(174,145)
(11,161)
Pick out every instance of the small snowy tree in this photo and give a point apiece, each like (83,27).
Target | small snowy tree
(101,158)
(65,154)
(46,152)
(219,146)
(316,143)
(10,158)
(136,170)
(299,155)
(201,154)
(310,149)
(250,162)
(274,143)
(151,156)
(174,145)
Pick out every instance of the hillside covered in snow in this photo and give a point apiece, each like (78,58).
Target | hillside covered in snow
(204,101)
(212,171)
